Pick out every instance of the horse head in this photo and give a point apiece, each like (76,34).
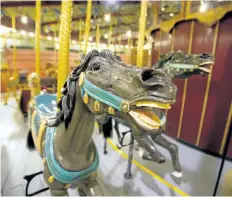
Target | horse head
(110,87)
(182,65)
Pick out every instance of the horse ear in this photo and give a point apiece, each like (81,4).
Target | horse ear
(84,64)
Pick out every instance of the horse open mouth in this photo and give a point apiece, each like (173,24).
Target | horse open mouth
(205,67)
(144,114)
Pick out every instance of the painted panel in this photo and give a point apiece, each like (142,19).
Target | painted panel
(156,45)
(181,40)
(220,92)
(202,43)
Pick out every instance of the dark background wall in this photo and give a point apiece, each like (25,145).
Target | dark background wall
(219,95)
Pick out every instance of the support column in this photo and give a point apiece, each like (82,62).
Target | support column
(110,36)
(14,47)
(142,26)
(87,24)
(98,36)
(37,36)
(64,38)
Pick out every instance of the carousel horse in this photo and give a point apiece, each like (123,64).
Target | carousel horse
(100,85)
(180,65)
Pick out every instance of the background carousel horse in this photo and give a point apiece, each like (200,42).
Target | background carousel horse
(180,65)
(65,140)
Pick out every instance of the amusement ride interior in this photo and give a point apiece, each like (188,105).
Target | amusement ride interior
(116,98)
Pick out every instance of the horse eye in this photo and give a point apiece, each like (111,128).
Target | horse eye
(95,67)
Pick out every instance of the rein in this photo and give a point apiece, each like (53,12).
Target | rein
(100,95)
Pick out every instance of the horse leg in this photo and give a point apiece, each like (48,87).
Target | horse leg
(152,153)
(119,144)
(173,149)
(105,145)
(56,188)
(128,174)
(90,187)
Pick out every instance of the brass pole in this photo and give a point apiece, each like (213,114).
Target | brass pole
(64,38)
(110,35)
(80,35)
(37,36)
(87,24)
(55,47)
(14,47)
(142,26)
(98,36)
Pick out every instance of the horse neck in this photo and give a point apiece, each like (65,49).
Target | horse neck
(77,137)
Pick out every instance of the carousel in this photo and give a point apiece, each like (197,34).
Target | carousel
(116,98)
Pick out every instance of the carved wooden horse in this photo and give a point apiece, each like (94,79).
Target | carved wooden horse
(100,85)
(180,65)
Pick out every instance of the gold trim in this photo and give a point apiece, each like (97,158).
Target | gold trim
(44,160)
(81,78)
(226,129)
(211,16)
(51,179)
(208,18)
(125,106)
(207,87)
(185,82)
(97,106)
(67,186)
(41,131)
(111,110)
(86,98)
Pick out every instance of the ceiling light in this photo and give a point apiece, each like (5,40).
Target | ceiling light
(107,17)
(121,46)
(90,38)
(74,41)
(163,8)
(106,36)
(23,33)
(171,14)
(128,34)
(49,38)
(24,19)
(56,39)
(203,7)
(31,34)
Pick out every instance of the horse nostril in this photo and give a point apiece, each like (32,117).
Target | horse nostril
(147,74)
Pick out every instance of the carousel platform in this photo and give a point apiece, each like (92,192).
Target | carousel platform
(149,179)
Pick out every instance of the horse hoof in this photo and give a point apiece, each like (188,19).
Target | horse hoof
(119,146)
(177,174)
(105,152)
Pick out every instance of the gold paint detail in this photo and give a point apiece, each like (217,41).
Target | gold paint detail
(44,160)
(111,110)
(153,104)
(86,98)
(97,106)
(43,144)
(185,82)
(125,106)
(51,179)
(207,87)
(81,79)
(41,131)
(226,129)
(67,186)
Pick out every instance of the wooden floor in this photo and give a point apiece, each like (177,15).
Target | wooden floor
(149,179)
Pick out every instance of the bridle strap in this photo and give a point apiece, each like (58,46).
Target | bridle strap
(104,96)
